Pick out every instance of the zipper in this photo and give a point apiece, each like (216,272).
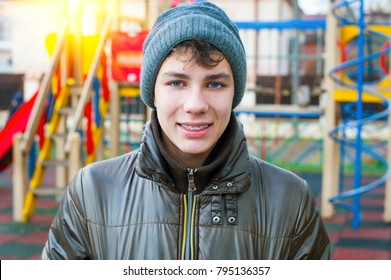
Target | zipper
(190,178)
(189,202)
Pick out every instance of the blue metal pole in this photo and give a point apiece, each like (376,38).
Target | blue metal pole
(360,87)
(32,159)
(95,101)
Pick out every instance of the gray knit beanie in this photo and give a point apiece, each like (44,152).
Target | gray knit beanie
(202,20)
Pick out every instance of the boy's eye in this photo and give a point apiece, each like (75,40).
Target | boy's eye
(215,85)
(176,84)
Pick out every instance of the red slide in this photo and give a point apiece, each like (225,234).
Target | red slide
(17,123)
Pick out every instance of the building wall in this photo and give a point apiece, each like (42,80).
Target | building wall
(30,22)
(27,24)
(5,46)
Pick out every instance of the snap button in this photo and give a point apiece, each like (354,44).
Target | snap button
(231,220)
(229,184)
(216,219)
(215,187)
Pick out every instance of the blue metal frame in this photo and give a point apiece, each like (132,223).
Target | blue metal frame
(360,120)
(297,24)
(301,24)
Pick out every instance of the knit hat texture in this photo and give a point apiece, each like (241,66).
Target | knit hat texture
(200,20)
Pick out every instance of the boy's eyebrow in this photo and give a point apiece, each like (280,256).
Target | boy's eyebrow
(184,76)
(171,74)
(219,76)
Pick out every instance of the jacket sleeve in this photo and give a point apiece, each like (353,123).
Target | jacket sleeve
(311,240)
(68,234)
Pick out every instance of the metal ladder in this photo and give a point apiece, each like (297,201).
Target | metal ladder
(66,119)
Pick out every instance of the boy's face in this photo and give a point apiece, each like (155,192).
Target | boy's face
(193,106)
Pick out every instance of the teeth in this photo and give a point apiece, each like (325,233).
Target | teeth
(191,127)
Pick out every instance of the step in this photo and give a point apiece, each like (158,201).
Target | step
(56,136)
(67,111)
(75,89)
(48,191)
(55,162)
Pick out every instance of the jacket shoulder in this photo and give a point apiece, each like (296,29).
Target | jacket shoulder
(100,179)
(287,200)
(281,189)
(112,164)
(275,176)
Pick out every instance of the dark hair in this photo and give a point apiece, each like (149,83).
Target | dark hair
(203,53)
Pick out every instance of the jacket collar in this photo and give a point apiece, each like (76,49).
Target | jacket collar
(226,170)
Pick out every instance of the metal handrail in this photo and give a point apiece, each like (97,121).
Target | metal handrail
(86,91)
(38,108)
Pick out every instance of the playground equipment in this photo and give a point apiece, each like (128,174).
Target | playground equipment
(352,83)
(283,55)
(17,123)
(70,105)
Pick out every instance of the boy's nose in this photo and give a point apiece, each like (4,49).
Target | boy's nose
(195,101)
